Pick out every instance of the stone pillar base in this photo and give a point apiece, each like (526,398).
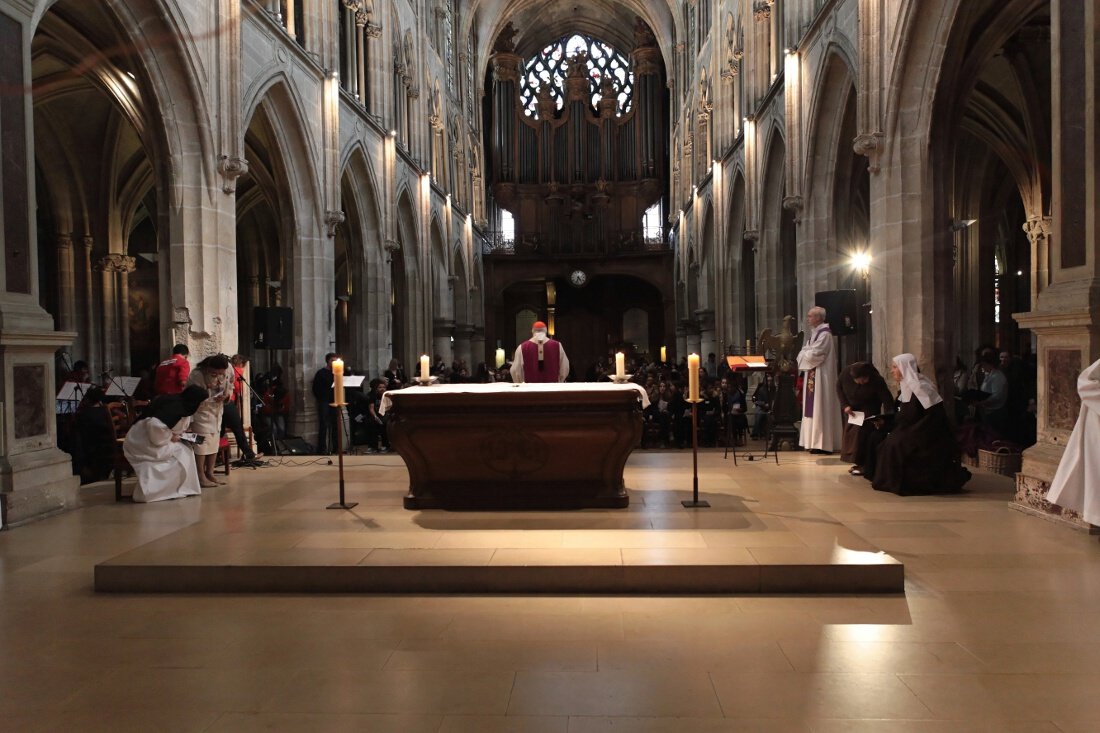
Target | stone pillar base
(36,478)
(42,484)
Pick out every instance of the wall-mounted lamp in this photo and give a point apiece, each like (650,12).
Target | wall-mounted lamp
(275,284)
(393,133)
(334,75)
(344,298)
(957,225)
(861,263)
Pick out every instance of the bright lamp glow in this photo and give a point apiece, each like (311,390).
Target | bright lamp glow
(861,262)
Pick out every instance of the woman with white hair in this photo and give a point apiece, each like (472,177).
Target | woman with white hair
(921,455)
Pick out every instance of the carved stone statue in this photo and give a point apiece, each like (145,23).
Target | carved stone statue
(506,41)
(784,345)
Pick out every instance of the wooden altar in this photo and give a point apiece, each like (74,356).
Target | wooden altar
(504,446)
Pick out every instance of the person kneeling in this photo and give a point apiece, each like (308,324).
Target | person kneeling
(920,455)
(164,465)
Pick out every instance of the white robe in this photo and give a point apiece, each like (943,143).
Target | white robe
(1076,484)
(823,431)
(165,469)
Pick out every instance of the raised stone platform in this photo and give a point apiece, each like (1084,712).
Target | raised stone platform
(269,532)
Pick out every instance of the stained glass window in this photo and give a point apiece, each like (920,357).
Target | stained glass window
(550,65)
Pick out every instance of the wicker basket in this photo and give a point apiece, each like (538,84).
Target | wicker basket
(1002,460)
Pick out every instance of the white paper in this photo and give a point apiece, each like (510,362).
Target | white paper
(73,391)
(856,418)
(352,382)
(123,386)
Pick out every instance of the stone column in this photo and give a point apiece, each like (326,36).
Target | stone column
(1065,314)
(442,348)
(477,348)
(35,478)
(66,284)
(692,340)
(463,335)
(91,350)
(360,57)
(373,49)
(707,341)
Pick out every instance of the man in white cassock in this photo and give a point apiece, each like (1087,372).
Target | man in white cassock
(539,358)
(1076,484)
(821,425)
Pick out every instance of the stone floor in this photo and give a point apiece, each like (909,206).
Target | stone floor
(757,536)
(997,629)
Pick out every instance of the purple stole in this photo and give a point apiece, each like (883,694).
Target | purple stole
(811,379)
(544,369)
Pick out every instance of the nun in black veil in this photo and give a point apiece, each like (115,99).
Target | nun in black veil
(164,464)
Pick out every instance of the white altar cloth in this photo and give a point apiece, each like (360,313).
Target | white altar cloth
(498,387)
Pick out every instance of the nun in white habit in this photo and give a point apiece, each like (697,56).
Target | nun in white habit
(165,466)
(1076,484)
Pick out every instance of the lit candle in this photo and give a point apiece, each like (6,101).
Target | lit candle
(424,367)
(500,358)
(693,377)
(620,365)
(664,355)
(338,378)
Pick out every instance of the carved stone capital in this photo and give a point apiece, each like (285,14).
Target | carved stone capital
(752,235)
(361,20)
(414,92)
(762,10)
(353,5)
(64,241)
(436,122)
(373,30)
(869,145)
(1038,228)
(115,263)
(88,243)
(391,245)
(333,219)
(793,204)
(231,169)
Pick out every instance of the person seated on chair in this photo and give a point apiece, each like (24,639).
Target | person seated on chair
(736,408)
(165,466)
(376,422)
(96,437)
(762,398)
(710,416)
(920,455)
(861,389)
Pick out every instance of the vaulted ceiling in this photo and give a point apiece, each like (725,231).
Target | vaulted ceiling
(538,22)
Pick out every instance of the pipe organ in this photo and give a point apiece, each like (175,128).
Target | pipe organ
(578,150)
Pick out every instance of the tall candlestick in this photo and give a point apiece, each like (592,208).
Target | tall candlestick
(693,377)
(664,354)
(620,365)
(500,358)
(748,346)
(338,379)
(424,368)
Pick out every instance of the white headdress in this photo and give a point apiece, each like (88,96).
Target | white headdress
(915,383)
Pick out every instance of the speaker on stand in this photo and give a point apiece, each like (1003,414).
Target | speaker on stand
(842,315)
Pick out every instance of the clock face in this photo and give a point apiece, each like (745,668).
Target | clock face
(578,278)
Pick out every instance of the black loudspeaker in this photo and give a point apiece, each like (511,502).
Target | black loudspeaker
(273,328)
(294,447)
(840,310)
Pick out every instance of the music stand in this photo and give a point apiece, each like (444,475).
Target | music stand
(748,363)
(123,386)
(72,392)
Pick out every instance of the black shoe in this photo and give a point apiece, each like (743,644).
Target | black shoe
(819,452)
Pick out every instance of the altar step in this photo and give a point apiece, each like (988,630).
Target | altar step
(875,573)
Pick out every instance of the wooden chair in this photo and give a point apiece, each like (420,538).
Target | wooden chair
(121,420)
